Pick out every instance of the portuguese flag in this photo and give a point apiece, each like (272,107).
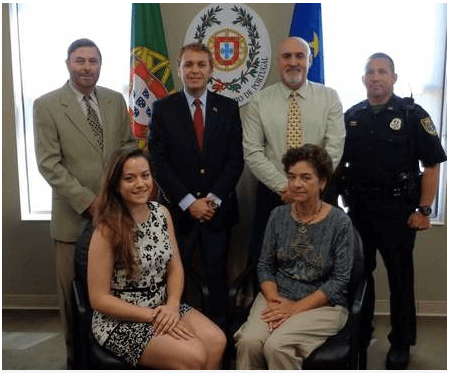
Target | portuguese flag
(151,76)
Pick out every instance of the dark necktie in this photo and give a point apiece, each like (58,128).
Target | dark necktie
(94,122)
(198,122)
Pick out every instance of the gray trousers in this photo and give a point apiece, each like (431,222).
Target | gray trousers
(287,346)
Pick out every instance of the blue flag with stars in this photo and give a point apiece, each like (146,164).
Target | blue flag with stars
(306,23)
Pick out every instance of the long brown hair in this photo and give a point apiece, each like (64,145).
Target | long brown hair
(113,217)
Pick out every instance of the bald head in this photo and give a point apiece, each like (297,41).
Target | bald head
(294,60)
(291,41)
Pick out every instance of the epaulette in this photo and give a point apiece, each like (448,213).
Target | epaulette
(408,103)
(361,105)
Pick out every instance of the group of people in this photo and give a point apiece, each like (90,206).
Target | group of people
(296,141)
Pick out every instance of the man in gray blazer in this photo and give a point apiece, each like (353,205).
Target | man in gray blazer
(76,128)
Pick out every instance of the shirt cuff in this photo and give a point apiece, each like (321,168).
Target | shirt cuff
(186,202)
(214,198)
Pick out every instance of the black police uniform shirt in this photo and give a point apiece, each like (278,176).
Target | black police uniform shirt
(383,146)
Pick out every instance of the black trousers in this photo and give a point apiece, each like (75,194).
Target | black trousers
(395,241)
(212,247)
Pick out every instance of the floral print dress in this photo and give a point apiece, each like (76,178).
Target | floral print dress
(128,339)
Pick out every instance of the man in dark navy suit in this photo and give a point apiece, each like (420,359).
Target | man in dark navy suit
(195,140)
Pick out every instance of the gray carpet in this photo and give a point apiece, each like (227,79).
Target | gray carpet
(47,351)
(33,340)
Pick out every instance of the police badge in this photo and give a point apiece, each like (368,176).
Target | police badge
(396,124)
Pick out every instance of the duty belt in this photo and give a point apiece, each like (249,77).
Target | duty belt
(382,191)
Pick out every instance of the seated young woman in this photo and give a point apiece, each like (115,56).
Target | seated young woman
(136,278)
(304,269)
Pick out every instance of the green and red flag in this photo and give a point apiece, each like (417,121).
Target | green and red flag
(151,76)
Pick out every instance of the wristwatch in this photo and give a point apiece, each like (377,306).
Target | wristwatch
(425,210)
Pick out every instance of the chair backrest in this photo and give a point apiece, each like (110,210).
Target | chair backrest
(81,253)
(357,273)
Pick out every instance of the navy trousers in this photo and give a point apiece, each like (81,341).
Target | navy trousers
(395,241)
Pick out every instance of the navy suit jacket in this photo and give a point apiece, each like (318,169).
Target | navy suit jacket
(182,168)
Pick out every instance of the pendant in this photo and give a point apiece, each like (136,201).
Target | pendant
(302,229)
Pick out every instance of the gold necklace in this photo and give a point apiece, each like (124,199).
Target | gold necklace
(303,225)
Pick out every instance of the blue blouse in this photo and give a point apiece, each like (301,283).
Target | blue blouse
(301,263)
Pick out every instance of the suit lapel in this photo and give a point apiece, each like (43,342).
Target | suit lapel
(74,112)
(211,119)
(105,103)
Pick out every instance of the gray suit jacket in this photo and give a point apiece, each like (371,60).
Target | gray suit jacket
(68,156)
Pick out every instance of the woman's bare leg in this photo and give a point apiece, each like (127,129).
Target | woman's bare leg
(210,334)
(204,351)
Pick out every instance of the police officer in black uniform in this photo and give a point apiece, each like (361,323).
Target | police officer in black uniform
(388,197)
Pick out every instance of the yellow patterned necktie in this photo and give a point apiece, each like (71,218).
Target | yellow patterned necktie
(294,126)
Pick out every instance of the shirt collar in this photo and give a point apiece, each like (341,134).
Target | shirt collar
(302,91)
(190,98)
(391,104)
(79,95)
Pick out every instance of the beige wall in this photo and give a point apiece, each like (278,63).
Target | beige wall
(28,269)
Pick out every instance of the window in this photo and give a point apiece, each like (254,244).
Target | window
(414,35)
(41,34)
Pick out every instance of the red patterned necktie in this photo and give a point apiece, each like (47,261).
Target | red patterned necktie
(198,122)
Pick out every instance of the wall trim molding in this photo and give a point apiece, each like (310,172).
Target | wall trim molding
(50,302)
(423,308)
(30,301)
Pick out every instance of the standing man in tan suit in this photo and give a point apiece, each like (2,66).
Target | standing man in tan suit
(76,128)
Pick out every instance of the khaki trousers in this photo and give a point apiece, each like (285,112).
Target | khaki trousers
(287,346)
(65,272)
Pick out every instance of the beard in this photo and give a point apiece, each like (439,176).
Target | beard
(293,79)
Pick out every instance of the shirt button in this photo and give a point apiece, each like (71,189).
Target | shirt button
(202,171)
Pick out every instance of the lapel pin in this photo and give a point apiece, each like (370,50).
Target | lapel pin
(214,109)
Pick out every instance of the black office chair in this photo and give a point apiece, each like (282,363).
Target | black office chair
(88,353)
(345,350)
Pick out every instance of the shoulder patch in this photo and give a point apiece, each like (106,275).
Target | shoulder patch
(428,126)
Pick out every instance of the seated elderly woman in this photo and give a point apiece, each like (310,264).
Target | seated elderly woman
(304,269)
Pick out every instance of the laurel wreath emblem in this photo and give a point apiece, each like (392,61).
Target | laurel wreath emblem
(245,19)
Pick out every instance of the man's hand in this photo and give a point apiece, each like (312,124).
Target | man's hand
(202,209)
(93,207)
(285,196)
(418,221)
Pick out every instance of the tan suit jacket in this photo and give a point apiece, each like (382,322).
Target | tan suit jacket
(68,156)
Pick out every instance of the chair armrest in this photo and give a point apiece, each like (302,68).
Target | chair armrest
(243,291)
(354,319)
(238,284)
(80,299)
(82,315)
(200,284)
